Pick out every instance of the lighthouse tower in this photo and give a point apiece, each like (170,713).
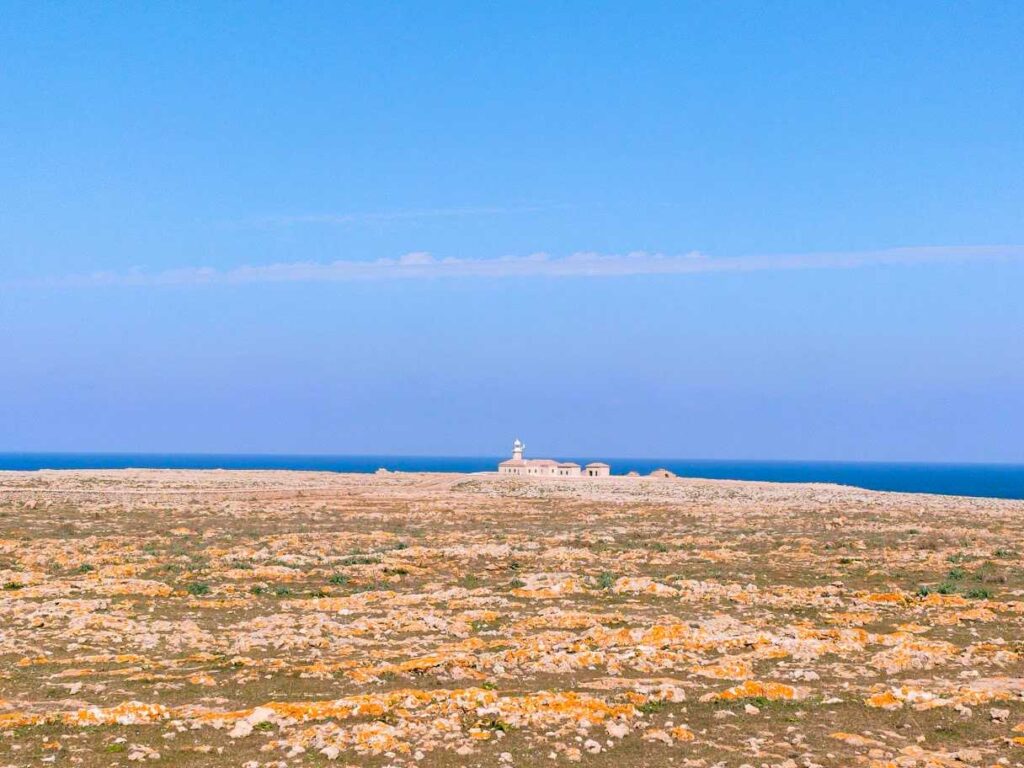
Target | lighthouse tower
(517,465)
(517,450)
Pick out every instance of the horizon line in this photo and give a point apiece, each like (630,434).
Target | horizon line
(243,454)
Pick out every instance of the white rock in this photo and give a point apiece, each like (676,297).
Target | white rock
(242,728)
(331,752)
(617,729)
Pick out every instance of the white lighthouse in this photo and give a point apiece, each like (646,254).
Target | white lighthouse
(517,465)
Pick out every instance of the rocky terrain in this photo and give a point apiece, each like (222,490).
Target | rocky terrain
(292,619)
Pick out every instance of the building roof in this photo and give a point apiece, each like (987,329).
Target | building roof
(569,464)
(597,464)
(528,463)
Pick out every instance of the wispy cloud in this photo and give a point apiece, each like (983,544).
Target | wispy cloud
(422,265)
(371,217)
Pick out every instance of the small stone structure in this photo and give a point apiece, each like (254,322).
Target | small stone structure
(661,472)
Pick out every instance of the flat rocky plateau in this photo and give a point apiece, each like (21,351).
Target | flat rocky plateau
(294,619)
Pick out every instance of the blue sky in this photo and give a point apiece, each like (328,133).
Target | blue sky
(744,230)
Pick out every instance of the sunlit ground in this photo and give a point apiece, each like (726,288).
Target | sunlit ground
(278,618)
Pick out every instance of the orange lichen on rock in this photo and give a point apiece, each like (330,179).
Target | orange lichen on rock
(645,586)
(547,587)
(855,739)
(739,669)
(749,689)
(913,654)
(884,700)
(129,713)
(682,733)
(884,597)
(852,618)
(979,692)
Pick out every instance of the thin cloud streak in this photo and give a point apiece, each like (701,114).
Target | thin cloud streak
(422,265)
(339,219)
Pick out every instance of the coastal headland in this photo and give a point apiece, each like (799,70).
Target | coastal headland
(273,618)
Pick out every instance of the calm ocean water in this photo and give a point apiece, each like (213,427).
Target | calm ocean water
(996,480)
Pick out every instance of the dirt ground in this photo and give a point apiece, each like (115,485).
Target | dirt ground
(297,619)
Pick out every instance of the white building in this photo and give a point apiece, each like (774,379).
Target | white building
(517,465)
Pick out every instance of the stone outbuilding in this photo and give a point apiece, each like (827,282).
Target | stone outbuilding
(597,469)
(661,472)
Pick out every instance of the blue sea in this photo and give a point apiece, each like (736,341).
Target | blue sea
(995,480)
